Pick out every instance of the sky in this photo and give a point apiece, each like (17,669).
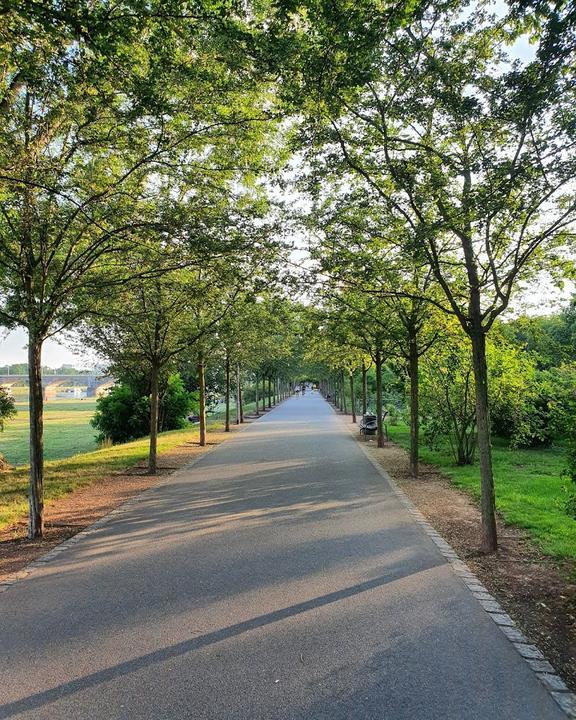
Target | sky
(13,350)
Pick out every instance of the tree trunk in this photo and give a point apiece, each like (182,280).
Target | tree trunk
(343,384)
(36,412)
(380,430)
(364,388)
(257,399)
(227,398)
(241,398)
(352,397)
(154,401)
(202,398)
(488,502)
(237,393)
(414,404)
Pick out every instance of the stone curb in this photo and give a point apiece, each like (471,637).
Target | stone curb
(535,659)
(52,554)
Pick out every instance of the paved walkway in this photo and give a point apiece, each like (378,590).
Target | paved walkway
(278,578)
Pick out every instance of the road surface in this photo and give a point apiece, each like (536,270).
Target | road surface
(277,578)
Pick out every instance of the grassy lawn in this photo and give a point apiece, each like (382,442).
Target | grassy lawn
(528,489)
(63,475)
(67,431)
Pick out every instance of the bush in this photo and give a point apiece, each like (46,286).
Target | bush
(447,399)
(7,407)
(124,414)
(121,415)
(175,404)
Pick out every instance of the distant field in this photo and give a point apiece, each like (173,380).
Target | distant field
(67,427)
(67,431)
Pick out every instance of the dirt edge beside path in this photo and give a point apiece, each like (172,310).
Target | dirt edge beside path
(73,513)
(538,591)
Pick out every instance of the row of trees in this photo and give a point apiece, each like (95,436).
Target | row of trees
(135,140)
(133,143)
(166,325)
(441,178)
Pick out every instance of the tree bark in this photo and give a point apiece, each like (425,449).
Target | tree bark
(414,371)
(241,398)
(380,428)
(352,398)
(154,401)
(237,393)
(343,384)
(257,399)
(488,501)
(227,398)
(36,412)
(202,398)
(364,388)
(269,391)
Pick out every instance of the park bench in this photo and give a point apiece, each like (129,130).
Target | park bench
(368,425)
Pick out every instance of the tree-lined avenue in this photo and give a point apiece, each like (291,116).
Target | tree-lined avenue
(278,577)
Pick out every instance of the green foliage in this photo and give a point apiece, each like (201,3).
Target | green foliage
(124,414)
(7,407)
(447,395)
(175,404)
(121,415)
(530,488)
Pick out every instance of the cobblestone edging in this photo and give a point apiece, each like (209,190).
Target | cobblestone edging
(56,551)
(531,654)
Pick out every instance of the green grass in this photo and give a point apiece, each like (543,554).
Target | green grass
(529,489)
(67,431)
(64,475)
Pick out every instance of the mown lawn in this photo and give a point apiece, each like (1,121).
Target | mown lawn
(67,431)
(63,475)
(529,489)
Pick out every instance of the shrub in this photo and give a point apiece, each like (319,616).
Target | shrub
(121,415)
(124,414)
(175,404)
(7,407)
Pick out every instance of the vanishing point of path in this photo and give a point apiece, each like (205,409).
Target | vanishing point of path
(278,578)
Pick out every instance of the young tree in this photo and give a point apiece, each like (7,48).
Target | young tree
(149,324)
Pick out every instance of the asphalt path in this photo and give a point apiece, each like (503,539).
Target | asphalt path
(277,578)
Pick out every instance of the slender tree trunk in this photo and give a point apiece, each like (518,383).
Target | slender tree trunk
(154,402)
(352,397)
(275,391)
(36,412)
(257,398)
(238,401)
(227,398)
(364,388)
(478,338)
(202,398)
(343,383)
(269,391)
(414,372)
(241,398)
(488,501)
(380,430)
